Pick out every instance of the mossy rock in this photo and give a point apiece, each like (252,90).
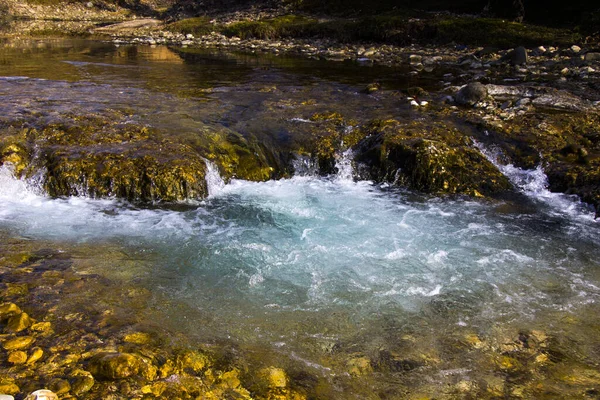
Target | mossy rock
(566,144)
(433,158)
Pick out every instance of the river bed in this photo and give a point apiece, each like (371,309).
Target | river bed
(448,297)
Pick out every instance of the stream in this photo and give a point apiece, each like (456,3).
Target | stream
(309,272)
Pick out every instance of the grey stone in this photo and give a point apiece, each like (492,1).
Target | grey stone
(592,56)
(471,94)
(517,56)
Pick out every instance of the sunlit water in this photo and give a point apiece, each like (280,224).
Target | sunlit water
(302,265)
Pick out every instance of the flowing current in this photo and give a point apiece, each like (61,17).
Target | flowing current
(262,257)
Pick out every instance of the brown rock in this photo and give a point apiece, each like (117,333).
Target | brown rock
(18,343)
(115,365)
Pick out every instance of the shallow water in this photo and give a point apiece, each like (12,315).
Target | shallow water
(309,269)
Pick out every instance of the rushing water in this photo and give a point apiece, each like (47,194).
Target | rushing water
(308,265)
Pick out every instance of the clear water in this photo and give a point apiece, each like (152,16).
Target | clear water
(311,267)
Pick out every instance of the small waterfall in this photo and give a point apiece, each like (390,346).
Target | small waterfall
(305,166)
(12,188)
(534,184)
(343,163)
(214,182)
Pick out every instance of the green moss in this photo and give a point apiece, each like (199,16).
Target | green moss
(501,33)
(430,157)
(196,26)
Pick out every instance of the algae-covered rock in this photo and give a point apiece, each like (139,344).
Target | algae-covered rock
(18,323)
(17,357)
(18,343)
(8,310)
(9,388)
(81,382)
(433,158)
(114,365)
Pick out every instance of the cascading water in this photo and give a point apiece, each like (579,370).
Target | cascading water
(214,182)
(534,184)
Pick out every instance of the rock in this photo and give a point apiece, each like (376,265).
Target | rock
(89,4)
(539,50)
(60,386)
(471,94)
(18,343)
(6,397)
(575,48)
(359,366)
(372,88)
(415,59)
(9,388)
(114,365)
(18,323)
(36,354)
(17,357)
(517,56)
(592,56)
(8,310)
(523,102)
(138,338)
(81,382)
(43,327)
(42,394)
(274,377)
(192,361)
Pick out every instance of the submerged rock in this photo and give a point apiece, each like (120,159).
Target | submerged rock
(43,394)
(115,365)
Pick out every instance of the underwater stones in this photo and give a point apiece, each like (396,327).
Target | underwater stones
(113,366)
(273,378)
(517,56)
(42,394)
(17,357)
(35,354)
(9,388)
(359,366)
(18,323)
(81,382)
(137,338)
(192,361)
(18,343)
(471,94)
(8,310)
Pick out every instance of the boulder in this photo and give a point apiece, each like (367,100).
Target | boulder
(112,366)
(471,94)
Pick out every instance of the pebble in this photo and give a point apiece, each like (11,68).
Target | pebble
(575,48)
(6,397)
(42,394)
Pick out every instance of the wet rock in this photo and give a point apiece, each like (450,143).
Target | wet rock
(192,361)
(113,366)
(17,357)
(81,382)
(517,56)
(42,394)
(8,310)
(398,153)
(359,366)
(9,388)
(274,378)
(138,338)
(592,56)
(18,323)
(60,386)
(35,354)
(6,397)
(18,343)
(575,49)
(471,94)
(372,88)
